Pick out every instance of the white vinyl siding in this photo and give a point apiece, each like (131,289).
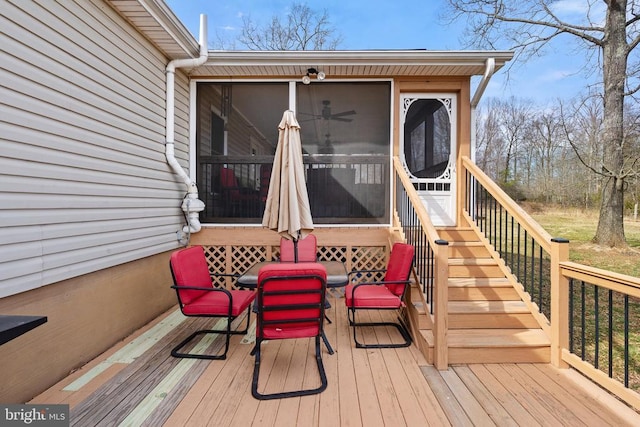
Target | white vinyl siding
(84,183)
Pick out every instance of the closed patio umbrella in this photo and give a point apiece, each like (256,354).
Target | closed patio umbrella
(287,209)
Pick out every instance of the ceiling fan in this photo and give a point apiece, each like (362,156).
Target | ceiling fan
(326,114)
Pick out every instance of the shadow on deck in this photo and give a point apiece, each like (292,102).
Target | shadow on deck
(138,383)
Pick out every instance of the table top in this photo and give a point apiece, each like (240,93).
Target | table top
(336,274)
(12,326)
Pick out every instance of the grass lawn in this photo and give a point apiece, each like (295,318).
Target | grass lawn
(579,227)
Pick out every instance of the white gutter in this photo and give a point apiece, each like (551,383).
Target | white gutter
(490,66)
(191,204)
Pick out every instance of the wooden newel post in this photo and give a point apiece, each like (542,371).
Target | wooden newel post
(559,302)
(441,298)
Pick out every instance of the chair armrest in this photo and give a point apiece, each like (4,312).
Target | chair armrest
(224,274)
(360,272)
(200,288)
(384,282)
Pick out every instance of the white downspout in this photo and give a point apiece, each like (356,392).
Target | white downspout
(191,205)
(490,66)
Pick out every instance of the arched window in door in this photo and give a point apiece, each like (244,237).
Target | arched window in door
(427,138)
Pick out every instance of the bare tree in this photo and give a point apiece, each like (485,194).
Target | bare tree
(612,34)
(547,154)
(582,128)
(516,113)
(488,139)
(300,29)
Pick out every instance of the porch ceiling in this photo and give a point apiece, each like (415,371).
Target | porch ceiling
(371,64)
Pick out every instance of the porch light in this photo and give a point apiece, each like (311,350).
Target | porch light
(320,75)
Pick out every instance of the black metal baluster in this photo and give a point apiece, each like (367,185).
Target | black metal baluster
(571,316)
(525,260)
(626,341)
(533,267)
(519,255)
(596,319)
(582,320)
(499,232)
(610,333)
(512,244)
(540,282)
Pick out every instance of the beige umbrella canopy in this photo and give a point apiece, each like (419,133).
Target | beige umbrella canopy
(287,208)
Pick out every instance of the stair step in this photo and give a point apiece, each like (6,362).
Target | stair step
(493,338)
(489,307)
(457,234)
(421,315)
(481,289)
(468,250)
(483,282)
(475,243)
(474,267)
(472,262)
(494,346)
(490,315)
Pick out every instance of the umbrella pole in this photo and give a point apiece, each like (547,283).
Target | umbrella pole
(295,247)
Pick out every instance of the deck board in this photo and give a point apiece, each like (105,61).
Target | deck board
(498,414)
(540,374)
(366,387)
(354,408)
(504,397)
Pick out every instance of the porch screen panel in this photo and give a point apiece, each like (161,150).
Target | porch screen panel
(345,131)
(237,132)
(427,138)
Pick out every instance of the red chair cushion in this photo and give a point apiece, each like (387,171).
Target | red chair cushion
(399,266)
(301,322)
(190,268)
(307,249)
(216,303)
(371,296)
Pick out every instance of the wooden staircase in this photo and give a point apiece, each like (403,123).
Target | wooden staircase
(488,320)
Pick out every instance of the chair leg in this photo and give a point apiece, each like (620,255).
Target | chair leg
(282,395)
(400,326)
(326,343)
(175,352)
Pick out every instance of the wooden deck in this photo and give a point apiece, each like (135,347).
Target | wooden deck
(138,383)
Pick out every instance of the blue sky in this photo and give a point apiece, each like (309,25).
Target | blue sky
(378,24)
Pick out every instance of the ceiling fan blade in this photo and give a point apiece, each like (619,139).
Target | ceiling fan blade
(340,119)
(344,113)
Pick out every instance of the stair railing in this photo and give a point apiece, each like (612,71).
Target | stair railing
(431,258)
(524,247)
(591,315)
(603,339)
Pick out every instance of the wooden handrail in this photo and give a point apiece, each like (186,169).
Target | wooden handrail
(622,283)
(524,219)
(441,270)
(423,216)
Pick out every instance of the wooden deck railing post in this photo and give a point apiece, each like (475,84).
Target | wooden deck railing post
(441,298)
(559,302)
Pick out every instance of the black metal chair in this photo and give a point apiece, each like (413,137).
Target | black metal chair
(198,297)
(290,306)
(387,294)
